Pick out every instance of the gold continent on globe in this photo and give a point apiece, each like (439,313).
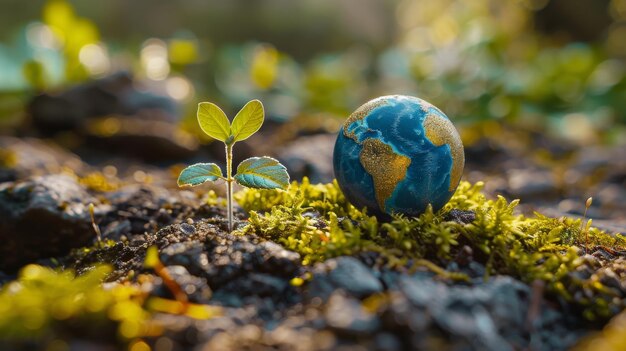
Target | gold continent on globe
(398,154)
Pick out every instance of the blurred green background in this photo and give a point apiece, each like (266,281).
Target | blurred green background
(556,67)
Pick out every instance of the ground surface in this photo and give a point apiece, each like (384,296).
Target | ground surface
(348,300)
(267,298)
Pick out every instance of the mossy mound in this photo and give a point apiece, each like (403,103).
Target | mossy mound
(318,222)
(43,304)
(474,254)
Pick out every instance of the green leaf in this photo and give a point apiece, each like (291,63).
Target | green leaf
(263,173)
(248,120)
(213,121)
(199,173)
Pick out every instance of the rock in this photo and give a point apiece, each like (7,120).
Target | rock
(346,315)
(42,217)
(610,279)
(582,272)
(151,198)
(460,216)
(476,269)
(387,342)
(276,258)
(115,230)
(485,154)
(256,284)
(353,276)
(116,117)
(610,198)
(36,157)
(590,260)
(319,288)
(409,322)
(345,273)
(187,228)
(531,184)
(141,138)
(266,284)
(421,291)
(478,313)
(113,95)
(196,288)
(593,158)
(188,254)
(310,156)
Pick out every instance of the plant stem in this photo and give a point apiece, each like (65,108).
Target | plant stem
(229,184)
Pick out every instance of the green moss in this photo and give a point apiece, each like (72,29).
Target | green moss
(43,303)
(82,252)
(317,222)
(8,159)
(610,338)
(99,182)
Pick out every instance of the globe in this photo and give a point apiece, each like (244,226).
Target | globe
(397,154)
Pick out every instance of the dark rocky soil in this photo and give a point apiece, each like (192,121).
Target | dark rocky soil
(349,302)
(345,303)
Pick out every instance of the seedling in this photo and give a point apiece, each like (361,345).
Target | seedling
(94,225)
(255,172)
(586,227)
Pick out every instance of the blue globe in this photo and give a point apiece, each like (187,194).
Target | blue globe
(397,154)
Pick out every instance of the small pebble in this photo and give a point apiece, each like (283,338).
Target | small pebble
(187,229)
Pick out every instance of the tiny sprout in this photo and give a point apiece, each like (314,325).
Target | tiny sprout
(255,172)
(93,222)
(582,223)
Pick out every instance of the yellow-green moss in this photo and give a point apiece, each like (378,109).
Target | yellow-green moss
(8,158)
(44,303)
(99,182)
(611,338)
(317,222)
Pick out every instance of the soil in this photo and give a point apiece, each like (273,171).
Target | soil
(251,278)
(354,303)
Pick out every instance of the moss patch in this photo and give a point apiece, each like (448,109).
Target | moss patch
(8,159)
(318,222)
(43,303)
